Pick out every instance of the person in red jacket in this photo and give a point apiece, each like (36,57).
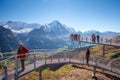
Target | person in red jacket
(22,50)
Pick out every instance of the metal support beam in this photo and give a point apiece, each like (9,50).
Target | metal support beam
(80,44)
(94,73)
(69,58)
(34,60)
(6,71)
(51,58)
(58,59)
(45,56)
(40,74)
(16,68)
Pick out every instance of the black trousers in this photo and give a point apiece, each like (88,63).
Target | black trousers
(87,60)
(23,63)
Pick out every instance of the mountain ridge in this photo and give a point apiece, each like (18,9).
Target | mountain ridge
(52,35)
(22,27)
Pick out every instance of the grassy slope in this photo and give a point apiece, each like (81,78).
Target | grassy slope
(112,53)
(67,72)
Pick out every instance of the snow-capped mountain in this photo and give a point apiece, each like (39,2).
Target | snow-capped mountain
(55,34)
(56,25)
(20,27)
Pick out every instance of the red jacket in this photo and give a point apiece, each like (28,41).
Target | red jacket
(22,52)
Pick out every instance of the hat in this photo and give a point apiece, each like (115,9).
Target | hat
(21,44)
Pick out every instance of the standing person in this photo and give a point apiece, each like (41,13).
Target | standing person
(98,37)
(87,56)
(78,37)
(22,50)
(93,37)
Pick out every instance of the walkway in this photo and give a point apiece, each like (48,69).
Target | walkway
(36,62)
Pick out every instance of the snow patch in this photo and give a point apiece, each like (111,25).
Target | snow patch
(25,30)
(7,26)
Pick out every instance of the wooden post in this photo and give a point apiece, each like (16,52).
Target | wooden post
(5,71)
(103,49)
(34,60)
(40,74)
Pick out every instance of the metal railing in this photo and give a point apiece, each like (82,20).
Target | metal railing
(37,58)
(102,40)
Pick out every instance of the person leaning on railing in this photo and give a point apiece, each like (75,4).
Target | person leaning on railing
(22,50)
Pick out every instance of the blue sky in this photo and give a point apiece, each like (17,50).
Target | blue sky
(83,15)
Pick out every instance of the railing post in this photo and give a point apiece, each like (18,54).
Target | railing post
(69,58)
(83,59)
(51,58)
(6,71)
(16,68)
(111,67)
(80,44)
(103,49)
(96,62)
(40,74)
(58,59)
(86,39)
(110,41)
(101,39)
(81,38)
(94,72)
(34,60)
(45,58)
(106,39)
(65,56)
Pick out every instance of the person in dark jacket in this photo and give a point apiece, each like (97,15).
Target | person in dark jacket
(93,36)
(21,55)
(98,37)
(87,56)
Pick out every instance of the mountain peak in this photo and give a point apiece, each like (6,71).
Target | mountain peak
(9,21)
(55,22)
